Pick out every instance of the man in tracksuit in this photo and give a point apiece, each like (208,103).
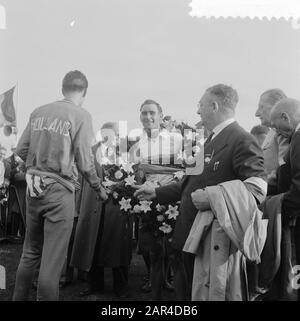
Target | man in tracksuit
(57,135)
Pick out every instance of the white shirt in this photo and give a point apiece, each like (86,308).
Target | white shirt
(106,154)
(164,144)
(104,149)
(221,126)
(298,127)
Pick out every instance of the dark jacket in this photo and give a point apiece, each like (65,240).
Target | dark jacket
(102,230)
(291,199)
(237,156)
(15,173)
(291,184)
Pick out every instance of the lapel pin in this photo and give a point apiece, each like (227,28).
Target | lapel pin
(216,164)
(207,159)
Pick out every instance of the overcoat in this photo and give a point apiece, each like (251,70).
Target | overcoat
(103,232)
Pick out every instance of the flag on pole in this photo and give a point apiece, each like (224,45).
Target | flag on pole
(7,106)
(8,113)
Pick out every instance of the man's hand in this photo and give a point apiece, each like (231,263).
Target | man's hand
(144,193)
(102,194)
(200,200)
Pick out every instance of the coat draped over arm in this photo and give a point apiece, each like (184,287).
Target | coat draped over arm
(222,239)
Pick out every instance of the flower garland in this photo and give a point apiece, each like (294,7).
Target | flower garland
(3,195)
(118,181)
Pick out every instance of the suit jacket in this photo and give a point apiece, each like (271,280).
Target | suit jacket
(291,199)
(237,155)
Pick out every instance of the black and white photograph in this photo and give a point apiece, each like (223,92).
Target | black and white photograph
(149,151)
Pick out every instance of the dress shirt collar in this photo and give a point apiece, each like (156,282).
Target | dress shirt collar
(162,133)
(221,126)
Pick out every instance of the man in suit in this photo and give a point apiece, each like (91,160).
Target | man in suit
(230,153)
(285,117)
(275,146)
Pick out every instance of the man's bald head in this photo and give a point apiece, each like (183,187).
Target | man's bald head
(273,95)
(285,116)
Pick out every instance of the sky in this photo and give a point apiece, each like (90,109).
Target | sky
(132,50)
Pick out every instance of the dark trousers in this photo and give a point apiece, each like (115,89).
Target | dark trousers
(282,286)
(157,268)
(183,267)
(49,220)
(120,278)
(96,273)
(182,264)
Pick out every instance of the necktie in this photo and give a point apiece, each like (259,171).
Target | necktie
(209,138)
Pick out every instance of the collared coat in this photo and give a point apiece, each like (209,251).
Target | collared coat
(90,214)
(222,239)
(103,232)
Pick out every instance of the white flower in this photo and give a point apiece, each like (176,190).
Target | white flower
(190,160)
(172,212)
(130,180)
(4,200)
(145,206)
(108,183)
(189,135)
(18,159)
(115,195)
(125,204)
(195,134)
(128,167)
(184,156)
(201,141)
(160,208)
(118,174)
(180,156)
(196,149)
(137,209)
(165,228)
(179,175)
(160,218)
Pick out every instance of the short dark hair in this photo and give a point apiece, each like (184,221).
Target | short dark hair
(167,118)
(150,101)
(259,130)
(226,94)
(75,81)
(274,95)
(109,125)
